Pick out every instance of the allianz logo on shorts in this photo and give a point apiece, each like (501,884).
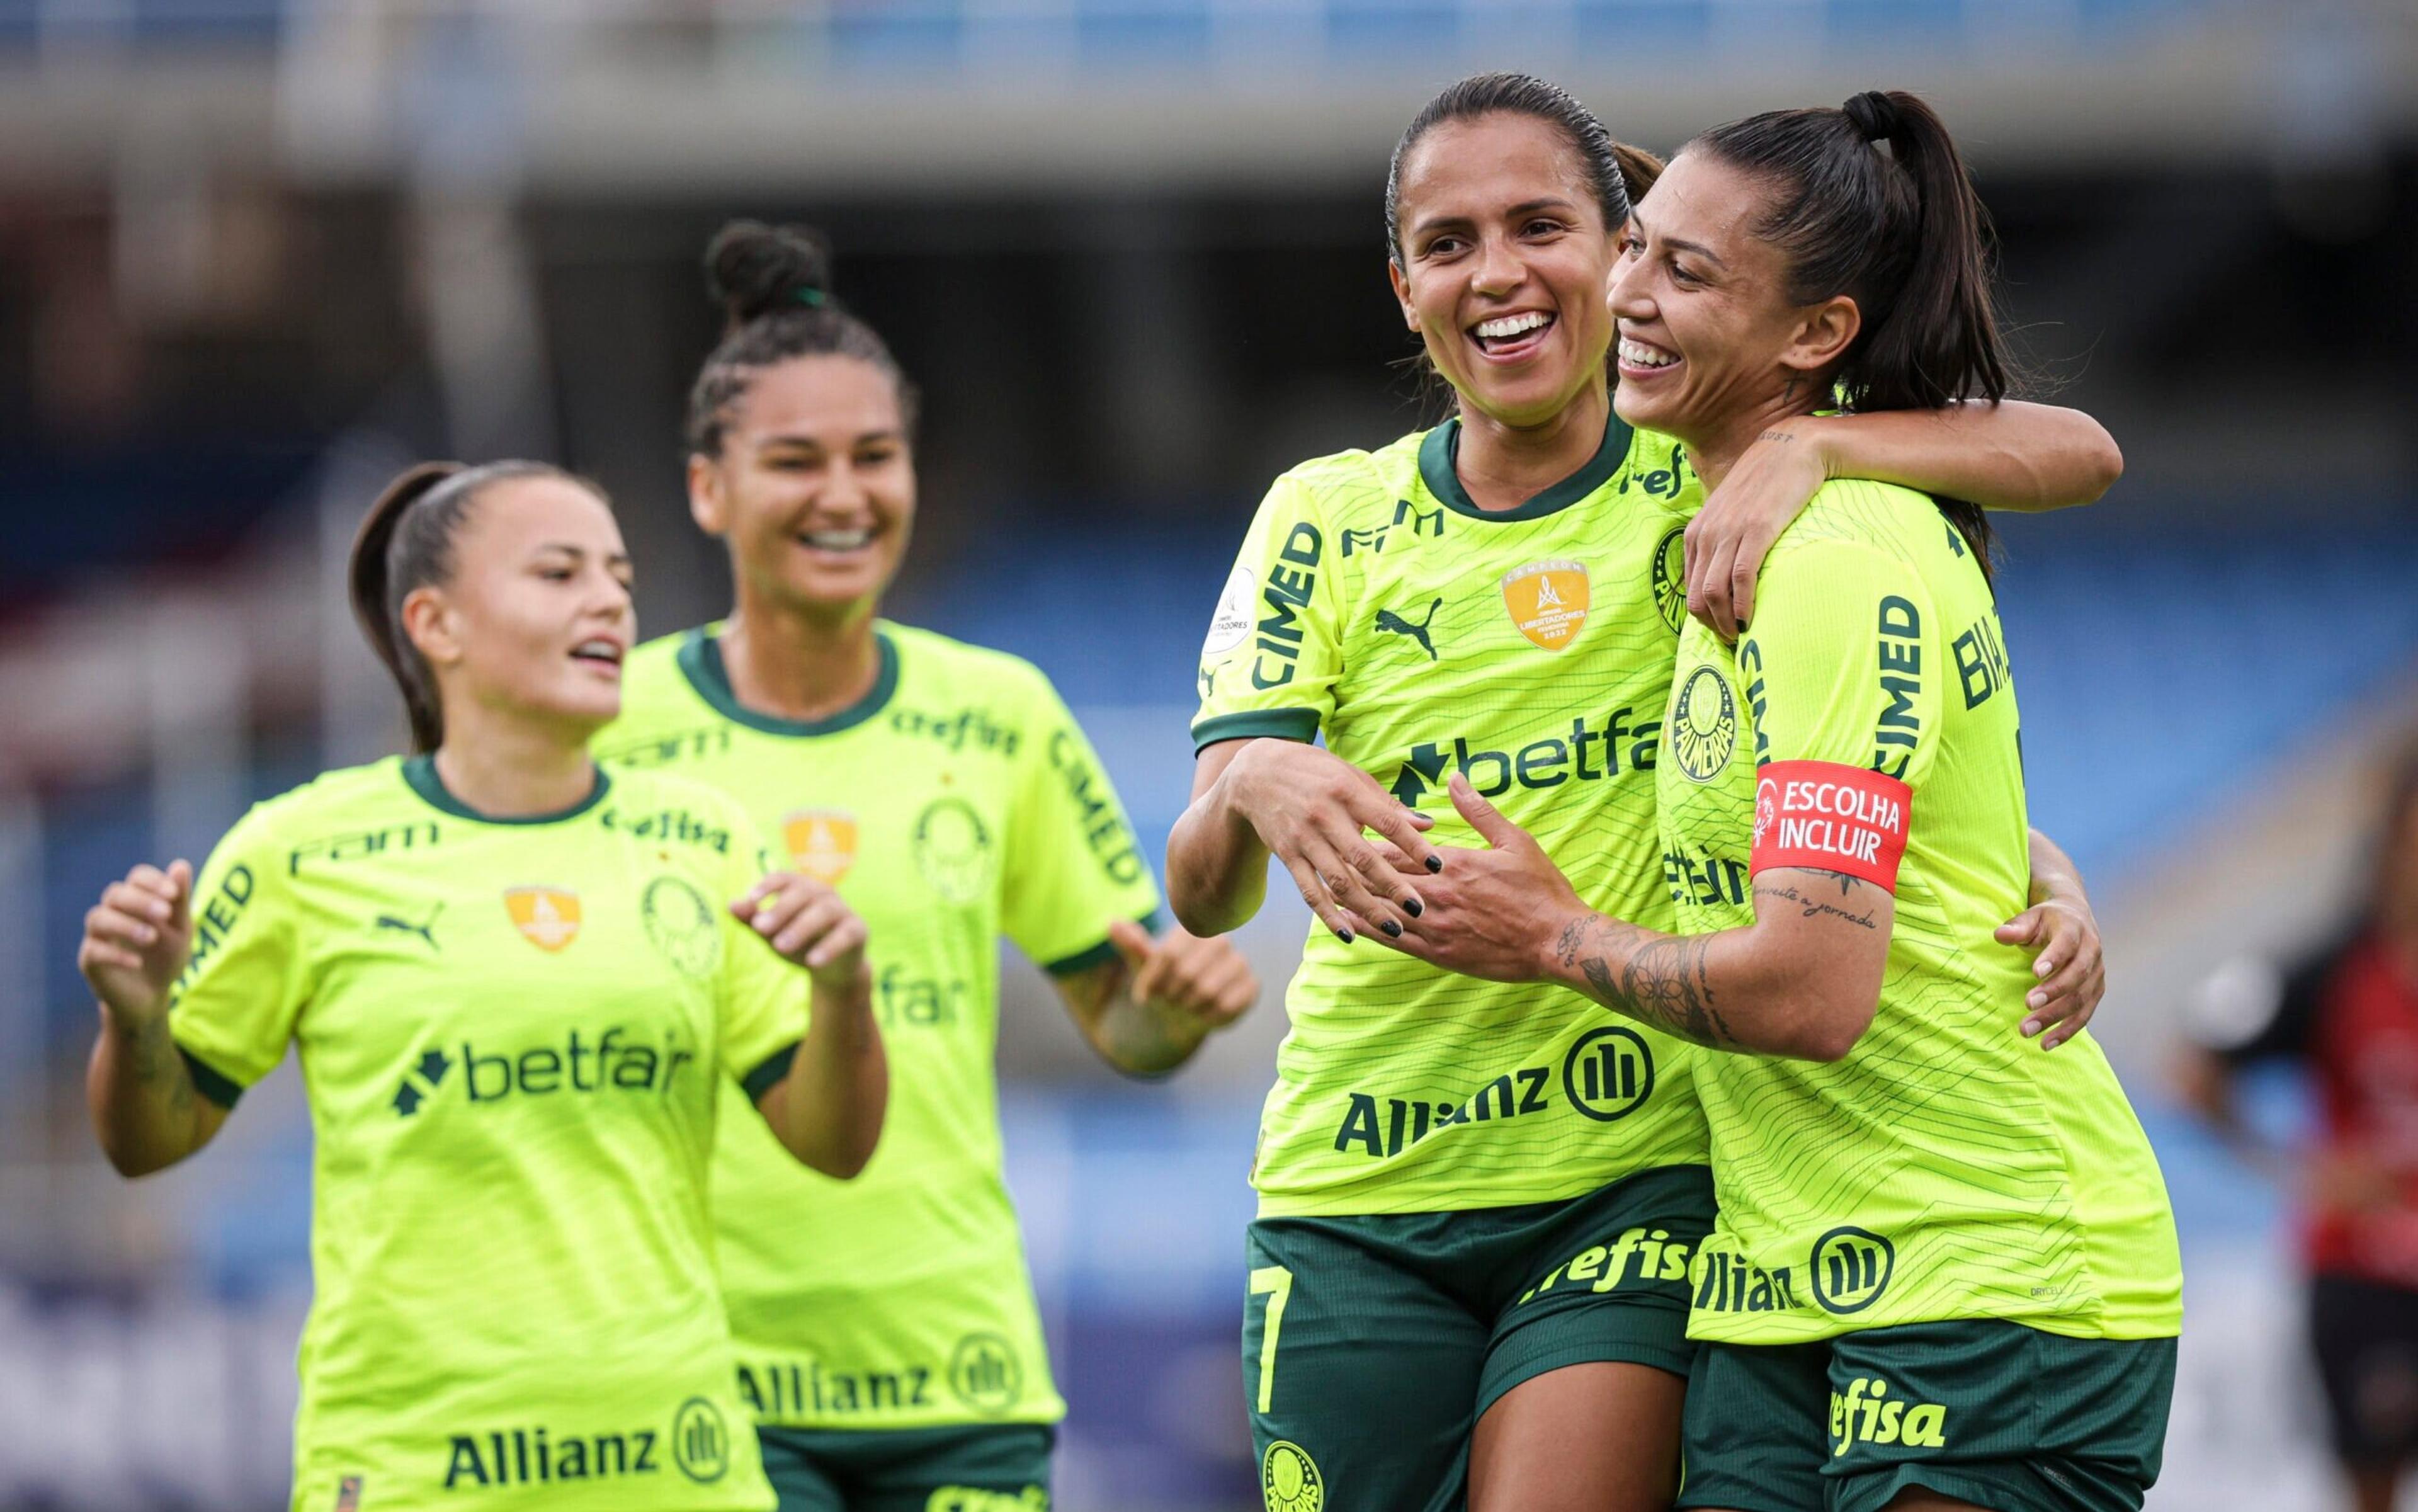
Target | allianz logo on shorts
(1865,1413)
(1606,1075)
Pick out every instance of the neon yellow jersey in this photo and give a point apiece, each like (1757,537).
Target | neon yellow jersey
(510,1032)
(1947,1168)
(958,801)
(1530,648)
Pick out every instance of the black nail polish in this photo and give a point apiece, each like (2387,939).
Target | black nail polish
(1344,934)
(1414,907)
(1435,864)
(1393,930)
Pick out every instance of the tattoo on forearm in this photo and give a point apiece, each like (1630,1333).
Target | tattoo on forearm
(1815,907)
(1665,981)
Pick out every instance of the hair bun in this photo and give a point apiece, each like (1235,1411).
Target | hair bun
(753,270)
(1874,114)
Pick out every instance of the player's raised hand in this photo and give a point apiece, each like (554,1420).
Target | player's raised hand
(1764,490)
(2064,935)
(1494,913)
(804,921)
(1312,809)
(137,939)
(1203,984)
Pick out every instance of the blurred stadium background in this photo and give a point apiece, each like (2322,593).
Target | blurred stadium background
(254,253)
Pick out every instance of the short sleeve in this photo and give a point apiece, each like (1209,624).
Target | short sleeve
(1269,663)
(1842,681)
(1073,862)
(235,1007)
(763,996)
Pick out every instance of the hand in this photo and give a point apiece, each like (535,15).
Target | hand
(2064,935)
(1762,493)
(137,939)
(1311,808)
(806,921)
(1201,985)
(1494,913)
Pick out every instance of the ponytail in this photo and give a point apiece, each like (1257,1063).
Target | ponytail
(406,543)
(1903,235)
(1639,169)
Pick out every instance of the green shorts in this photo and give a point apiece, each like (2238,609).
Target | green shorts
(990,1467)
(1372,1344)
(1997,1414)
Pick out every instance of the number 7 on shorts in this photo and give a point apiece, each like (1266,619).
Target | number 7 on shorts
(1276,1282)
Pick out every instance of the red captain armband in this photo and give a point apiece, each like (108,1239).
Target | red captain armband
(1830,818)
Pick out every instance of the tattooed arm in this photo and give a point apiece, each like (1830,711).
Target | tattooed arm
(1803,980)
(144,1106)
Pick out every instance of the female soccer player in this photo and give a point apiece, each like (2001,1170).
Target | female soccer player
(1478,1202)
(897,1363)
(512,983)
(1944,1273)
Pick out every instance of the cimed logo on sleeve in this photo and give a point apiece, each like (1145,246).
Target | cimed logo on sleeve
(547,917)
(1232,624)
(1548,601)
(821,842)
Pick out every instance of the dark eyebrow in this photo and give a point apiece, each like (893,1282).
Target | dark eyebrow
(617,558)
(1700,251)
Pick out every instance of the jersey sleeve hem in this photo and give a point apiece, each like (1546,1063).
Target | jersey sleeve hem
(209,1081)
(770,1072)
(1281,723)
(1098,955)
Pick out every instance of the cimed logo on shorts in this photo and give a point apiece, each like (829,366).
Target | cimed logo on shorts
(1851,1269)
(1288,1479)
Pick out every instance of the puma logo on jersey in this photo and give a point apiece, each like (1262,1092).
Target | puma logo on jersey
(1390,623)
(425,931)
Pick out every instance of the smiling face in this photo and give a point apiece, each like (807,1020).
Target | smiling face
(1708,338)
(1504,265)
(814,487)
(536,617)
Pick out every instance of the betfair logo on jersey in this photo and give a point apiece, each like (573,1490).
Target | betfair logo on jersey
(1639,1253)
(1582,754)
(578,1065)
(547,917)
(917,1001)
(1548,601)
(1291,582)
(1288,1479)
(1851,1268)
(1864,1414)
(1704,724)
(821,842)
(535,1455)
(1670,576)
(1410,522)
(358,844)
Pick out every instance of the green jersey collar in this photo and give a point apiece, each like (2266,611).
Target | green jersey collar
(700,662)
(421,772)
(1443,445)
